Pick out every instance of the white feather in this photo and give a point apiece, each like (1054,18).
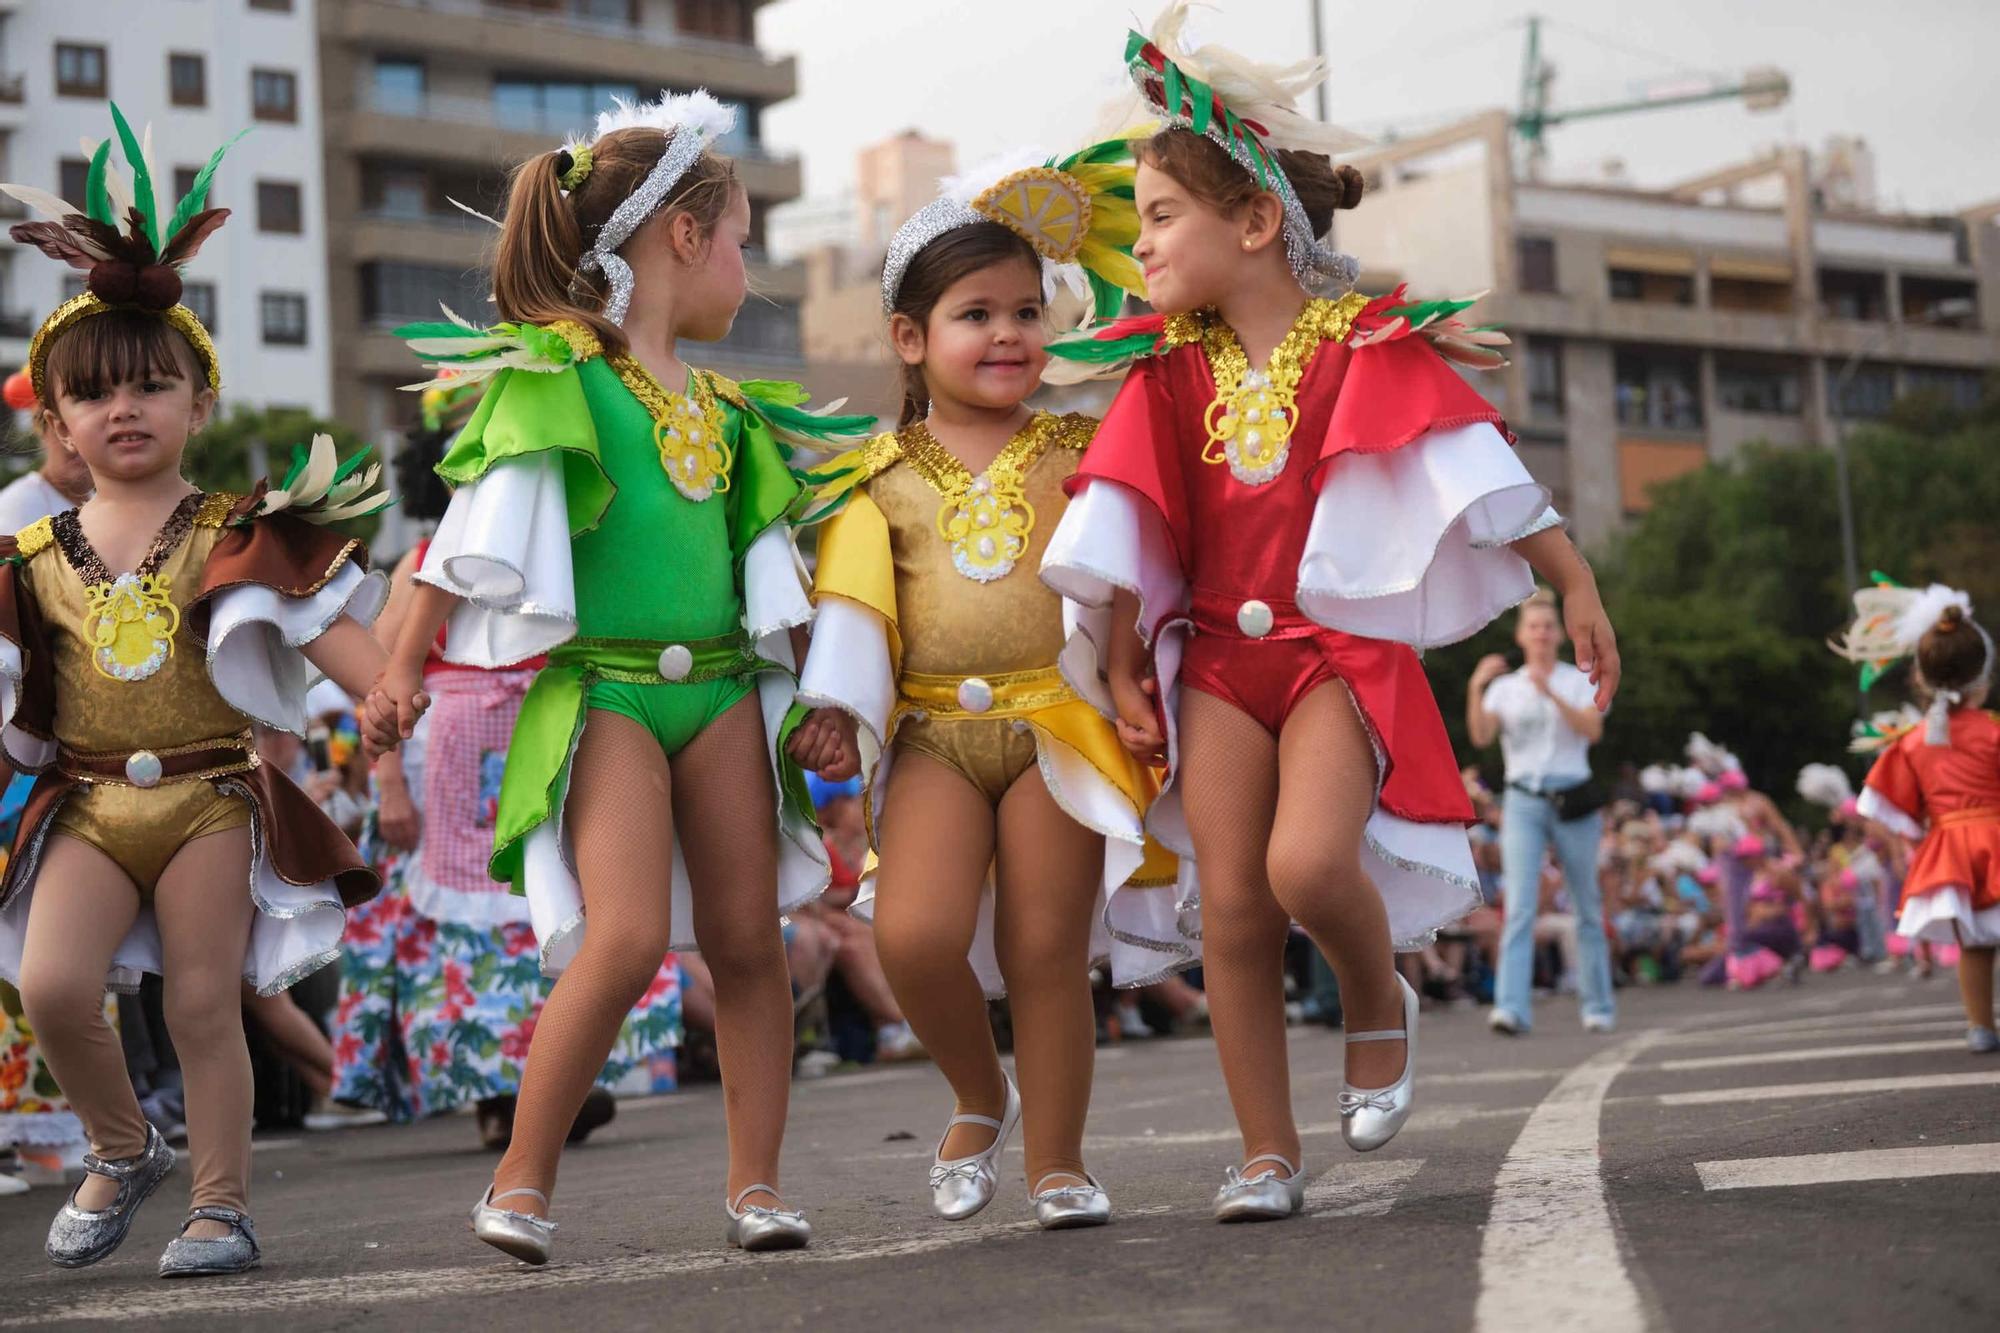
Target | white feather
(1823,784)
(1266,94)
(969,184)
(468,208)
(1924,609)
(48,205)
(698,111)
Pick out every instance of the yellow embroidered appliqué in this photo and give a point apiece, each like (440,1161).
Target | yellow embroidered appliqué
(690,433)
(987,519)
(35,538)
(1250,422)
(132,622)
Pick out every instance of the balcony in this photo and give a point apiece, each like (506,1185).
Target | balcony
(382,129)
(604,48)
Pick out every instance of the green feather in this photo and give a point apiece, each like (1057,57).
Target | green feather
(810,424)
(1204,105)
(437,329)
(142,177)
(1877,577)
(1135,42)
(97,199)
(349,467)
(300,458)
(1102,351)
(1173,89)
(782,392)
(196,199)
(1419,311)
(1109,297)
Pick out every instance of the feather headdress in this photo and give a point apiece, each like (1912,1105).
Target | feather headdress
(1889,621)
(1075,210)
(1824,784)
(119,238)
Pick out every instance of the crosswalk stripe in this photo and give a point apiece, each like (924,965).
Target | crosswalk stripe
(1828,1168)
(1835,1088)
(1361,1189)
(1805,1053)
(1722,1032)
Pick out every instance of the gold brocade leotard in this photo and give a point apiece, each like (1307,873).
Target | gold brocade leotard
(97,713)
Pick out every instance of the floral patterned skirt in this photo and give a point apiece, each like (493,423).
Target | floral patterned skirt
(434,1014)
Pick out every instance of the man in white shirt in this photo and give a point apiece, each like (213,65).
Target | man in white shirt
(1545,718)
(62,482)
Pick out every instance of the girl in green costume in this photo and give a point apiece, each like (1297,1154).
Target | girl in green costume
(640,535)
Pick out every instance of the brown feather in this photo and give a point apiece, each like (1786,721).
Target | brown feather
(135,227)
(193,232)
(54,240)
(104,240)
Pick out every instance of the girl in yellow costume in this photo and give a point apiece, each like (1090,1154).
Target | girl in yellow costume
(140,635)
(935,636)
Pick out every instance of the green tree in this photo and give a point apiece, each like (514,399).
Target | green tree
(1725,591)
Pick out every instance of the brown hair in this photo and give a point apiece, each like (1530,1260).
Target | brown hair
(1952,653)
(118,345)
(1207,171)
(956,254)
(535,276)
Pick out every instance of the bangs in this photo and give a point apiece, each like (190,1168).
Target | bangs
(116,347)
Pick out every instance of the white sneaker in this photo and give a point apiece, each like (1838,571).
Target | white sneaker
(12,1184)
(816,1064)
(1505,1023)
(338,1115)
(1599,1023)
(895,1041)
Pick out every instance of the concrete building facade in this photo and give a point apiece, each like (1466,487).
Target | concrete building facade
(1656,330)
(197,71)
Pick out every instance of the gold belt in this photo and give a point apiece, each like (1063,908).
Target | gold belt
(201,761)
(958,698)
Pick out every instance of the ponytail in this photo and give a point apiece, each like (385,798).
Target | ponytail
(535,278)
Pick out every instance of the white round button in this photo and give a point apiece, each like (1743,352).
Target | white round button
(144,769)
(1254,618)
(676,661)
(974,695)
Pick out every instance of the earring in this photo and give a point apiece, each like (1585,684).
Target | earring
(1246,245)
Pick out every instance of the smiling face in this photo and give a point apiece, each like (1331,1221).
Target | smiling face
(984,343)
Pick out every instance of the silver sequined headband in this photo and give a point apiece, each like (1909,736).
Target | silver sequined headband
(925,225)
(691,121)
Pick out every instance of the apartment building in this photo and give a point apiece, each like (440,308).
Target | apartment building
(197,71)
(429,101)
(1656,329)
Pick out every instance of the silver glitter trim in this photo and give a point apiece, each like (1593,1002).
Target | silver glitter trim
(1547,519)
(925,225)
(684,149)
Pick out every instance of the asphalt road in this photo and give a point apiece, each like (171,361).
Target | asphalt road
(1823,1157)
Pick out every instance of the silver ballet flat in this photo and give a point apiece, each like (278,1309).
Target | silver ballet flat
(523,1235)
(759,1228)
(80,1237)
(1263,1197)
(188,1256)
(1370,1117)
(963,1186)
(1085,1205)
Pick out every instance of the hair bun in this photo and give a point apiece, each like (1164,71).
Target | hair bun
(1950,619)
(1352,183)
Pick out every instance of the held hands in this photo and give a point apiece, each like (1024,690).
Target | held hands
(1138,721)
(1589,628)
(825,744)
(389,716)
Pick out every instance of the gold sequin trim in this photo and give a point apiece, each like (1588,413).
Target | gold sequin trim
(583,344)
(1182,329)
(35,538)
(986,519)
(1250,423)
(214,509)
(690,432)
(728,390)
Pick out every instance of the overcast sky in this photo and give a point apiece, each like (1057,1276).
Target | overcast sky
(1916,78)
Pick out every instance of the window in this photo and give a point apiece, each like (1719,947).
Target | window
(284,318)
(1870,391)
(200,298)
(184,183)
(274,95)
(1653,288)
(1964,390)
(397,192)
(1545,379)
(395,293)
(1536,256)
(1848,295)
(1657,390)
(187,80)
(75,175)
(1950,303)
(398,87)
(726,20)
(1746,384)
(275,6)
(280,208)
(80,70)
(538,106)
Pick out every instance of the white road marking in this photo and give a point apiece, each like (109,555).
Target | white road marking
(1835,1088)
(1827,1168)
(1550,1257)
(1361,1189)
(1707,1032)
(274,1145)
(1906,1028)
(1807,1053)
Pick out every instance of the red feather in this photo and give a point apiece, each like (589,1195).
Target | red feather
(193,232)
(54,240)
(1129,326)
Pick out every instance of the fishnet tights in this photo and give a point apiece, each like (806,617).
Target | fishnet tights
(939,837)
(625,802)
(1277,830)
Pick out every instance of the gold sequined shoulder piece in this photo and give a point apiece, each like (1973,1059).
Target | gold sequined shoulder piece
(214,509)
(1072,430)
(1182,329)
(37,537)
(881,453)
(583,344)
(728,390)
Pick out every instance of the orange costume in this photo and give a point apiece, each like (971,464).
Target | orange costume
(1953,888)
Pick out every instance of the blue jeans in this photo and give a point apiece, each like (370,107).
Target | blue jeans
(1528,824)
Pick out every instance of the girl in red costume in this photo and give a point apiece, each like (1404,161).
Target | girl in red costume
(1287,497)
(1938,784)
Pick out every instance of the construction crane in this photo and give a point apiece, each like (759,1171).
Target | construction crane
(1762,89)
